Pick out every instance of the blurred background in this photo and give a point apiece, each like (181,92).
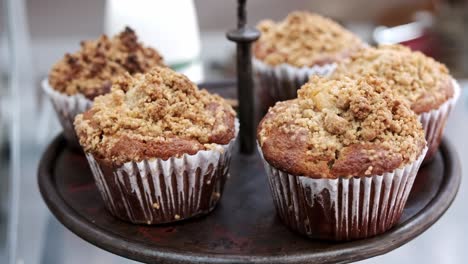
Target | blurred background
(191,35)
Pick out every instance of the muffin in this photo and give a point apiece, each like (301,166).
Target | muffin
(424,83)
(159,148)
(78,78)
(341,158)
(288,52)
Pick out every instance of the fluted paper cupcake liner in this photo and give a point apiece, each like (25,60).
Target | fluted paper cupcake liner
(343,208)
(434,122)
(67,108)
(158,191)
(281,82)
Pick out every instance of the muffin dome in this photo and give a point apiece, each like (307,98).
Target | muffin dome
(91,70)
(422,81)
(304,39)
(341,128)
(160,114)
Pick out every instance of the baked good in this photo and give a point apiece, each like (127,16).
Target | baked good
(424,83)
(91,70)
(76,79)
(160,114)
(304,39)
(289,51)
(352,132)
(177,135)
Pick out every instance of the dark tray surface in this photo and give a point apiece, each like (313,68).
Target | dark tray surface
(243,229)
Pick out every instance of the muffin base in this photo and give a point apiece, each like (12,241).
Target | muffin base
(281,82)
(343,208)
(161,191)
(67,108)
(434,122)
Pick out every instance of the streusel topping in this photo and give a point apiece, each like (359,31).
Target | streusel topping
(162,108)
(304,39)
(422,81)
(91,70)
(330,118)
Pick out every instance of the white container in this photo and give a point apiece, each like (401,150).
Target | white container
(434,122)
(157,191)
(67,108)
(281,82)
(345,208)
(169,26)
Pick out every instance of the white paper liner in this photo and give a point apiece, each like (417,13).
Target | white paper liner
(160,191)
(343,208)
(434,122)
(67,107)
(281,82)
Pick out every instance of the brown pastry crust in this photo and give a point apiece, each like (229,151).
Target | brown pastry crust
(341,128)
(92,69)
(423,82)
(160,114)
(304,39)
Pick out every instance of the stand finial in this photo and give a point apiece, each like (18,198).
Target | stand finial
(244,36)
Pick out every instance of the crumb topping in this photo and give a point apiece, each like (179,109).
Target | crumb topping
(342,127)
(91,70)
(304,39)
(422,81)
(159,114)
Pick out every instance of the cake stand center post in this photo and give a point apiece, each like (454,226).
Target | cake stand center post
(244,35)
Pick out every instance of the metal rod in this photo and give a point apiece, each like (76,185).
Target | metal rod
(246,100)
(241,14)
(244,36)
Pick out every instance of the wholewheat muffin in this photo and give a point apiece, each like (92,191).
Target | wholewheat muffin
(289,51)
(424,84)
(158,146)
(342,157)
(76,79)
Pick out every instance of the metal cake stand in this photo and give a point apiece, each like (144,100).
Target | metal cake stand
(244,227)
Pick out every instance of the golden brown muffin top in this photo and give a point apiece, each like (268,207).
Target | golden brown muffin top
(341,128)
(91,70)
(304,39)
(422,81)
(159,114)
